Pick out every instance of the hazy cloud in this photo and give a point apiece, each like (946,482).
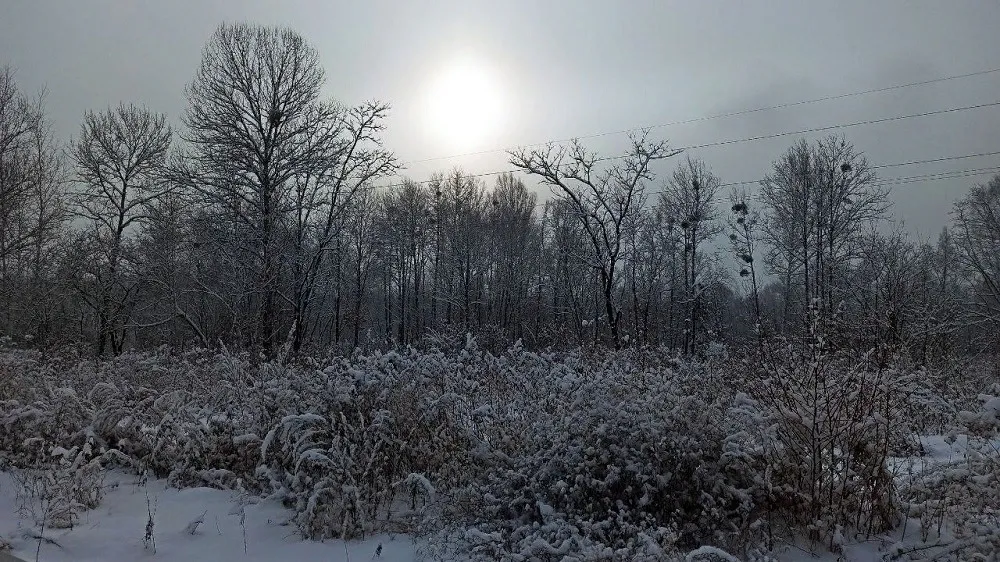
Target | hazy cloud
(573,68)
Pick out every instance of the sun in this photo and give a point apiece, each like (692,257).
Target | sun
(464,104)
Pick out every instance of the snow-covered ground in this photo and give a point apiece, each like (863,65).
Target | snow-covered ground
(114,531)
(938,450)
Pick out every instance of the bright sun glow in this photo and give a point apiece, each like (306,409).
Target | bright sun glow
(464,105)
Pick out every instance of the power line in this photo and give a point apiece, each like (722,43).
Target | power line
(892,181)
(953,174)
(908,163)
(844,126)
(765,137)
(936,160)
(940,176)
(722,115)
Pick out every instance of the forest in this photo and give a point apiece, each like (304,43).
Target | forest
(275,217)
(585,357)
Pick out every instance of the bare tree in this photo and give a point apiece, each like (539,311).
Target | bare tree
(605,200)
(406,242)
(321,195)
(251,124)
(120,157)
(32,211)
(267,153)
(817,203)
(567,272)
(743,237)
(459,208)
(690,197)
(19,117)
(364,249)
(885,287)
(165,256)
(514,237)
(48,211)
(977,218)
(942,297)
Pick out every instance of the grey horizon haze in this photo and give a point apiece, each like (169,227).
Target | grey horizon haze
(566,69)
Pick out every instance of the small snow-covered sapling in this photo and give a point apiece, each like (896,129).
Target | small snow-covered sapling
(149,539)
(192,527)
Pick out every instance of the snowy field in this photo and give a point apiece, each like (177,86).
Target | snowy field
(114,532)
(470,456)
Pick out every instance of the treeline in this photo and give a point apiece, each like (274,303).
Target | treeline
(260,225)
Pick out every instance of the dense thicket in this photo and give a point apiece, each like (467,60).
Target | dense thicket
(520,455)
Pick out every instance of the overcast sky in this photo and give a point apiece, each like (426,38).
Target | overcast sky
(566,69)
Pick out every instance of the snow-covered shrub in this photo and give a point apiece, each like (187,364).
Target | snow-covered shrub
(957,506)
(56,417)
(817,429)
(603,459)
(171,415)
(361,432)
(585,454)
(985,419)
(942,391)
(621,452)
(54,493)
(186,430)
(336,470)
(952,505)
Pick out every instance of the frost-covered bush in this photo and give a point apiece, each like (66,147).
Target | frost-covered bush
(941,392)
(356,443)
(379,425)
(153,410)
(368,432)
(817,428)
(56,417)
(59,486)
(984,419)
(956,506)
(603,459)
(953,505)
(587,455)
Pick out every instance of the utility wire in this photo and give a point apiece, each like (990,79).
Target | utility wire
(889,181)
(843,126)
(940,176)
(953,174)
(762,137)
(910,163)
(720,115)
(944,159)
